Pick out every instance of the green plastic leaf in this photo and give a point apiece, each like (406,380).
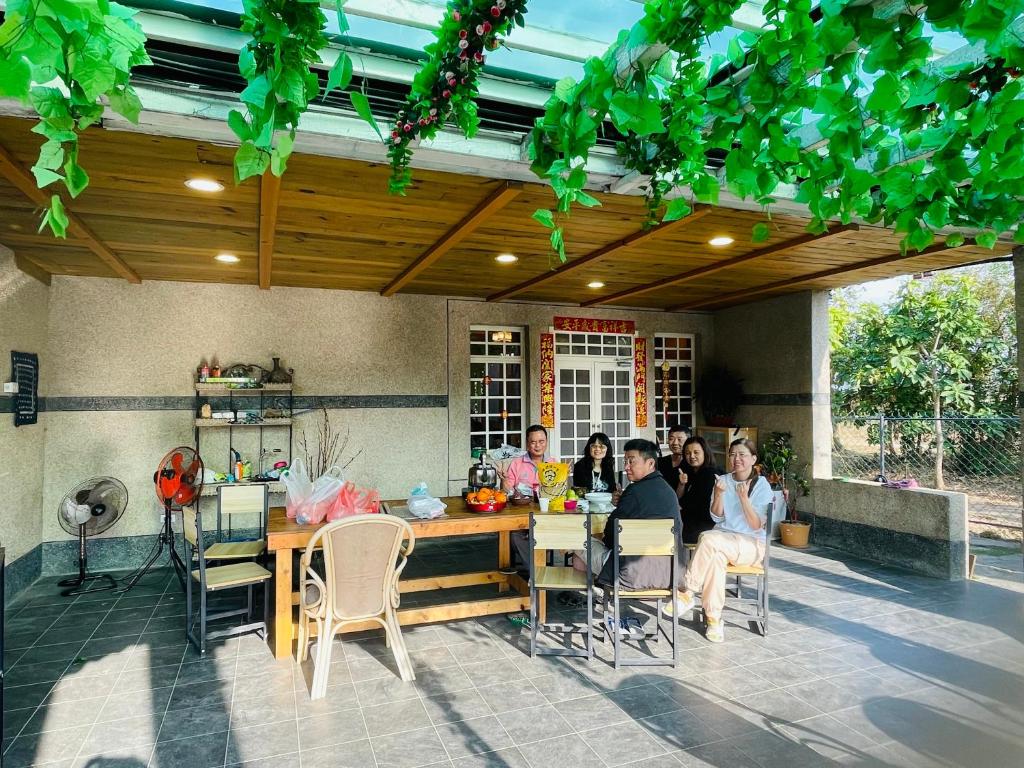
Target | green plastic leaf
(127,103)
(75,178)
(986,239)
(564,89)
(362,107)
(341,73)
(677,208)
(44,176)
(955,240)
(95,75)
(250,161)
(760,232)
(238,125)
(735,52)
(584,199)
(56,218)
(15,78)
(256,92)
(545,217)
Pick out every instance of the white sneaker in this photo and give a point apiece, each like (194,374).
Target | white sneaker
(678,607)
(613,625)
(715,632)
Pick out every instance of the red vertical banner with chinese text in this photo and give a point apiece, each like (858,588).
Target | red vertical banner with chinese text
(640,379)
(547,380)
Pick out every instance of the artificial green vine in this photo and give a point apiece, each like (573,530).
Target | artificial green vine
(907,143)
(84,52)
(445,88)
(287,37)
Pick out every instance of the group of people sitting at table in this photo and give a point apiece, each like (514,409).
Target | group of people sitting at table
(723,515)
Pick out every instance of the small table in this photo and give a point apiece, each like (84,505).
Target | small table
(284,536)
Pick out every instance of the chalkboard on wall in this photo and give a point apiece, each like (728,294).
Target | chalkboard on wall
(25,372)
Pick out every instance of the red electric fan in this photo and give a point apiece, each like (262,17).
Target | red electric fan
(179,481)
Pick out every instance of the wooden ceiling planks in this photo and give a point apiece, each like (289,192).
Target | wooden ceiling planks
(336,227)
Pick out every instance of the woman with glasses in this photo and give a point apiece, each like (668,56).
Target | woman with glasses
(595,470)
(739,505)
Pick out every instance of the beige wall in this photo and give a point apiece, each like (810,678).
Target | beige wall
(537,319)
(23,309)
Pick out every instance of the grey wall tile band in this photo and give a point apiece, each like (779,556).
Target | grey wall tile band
(6,404)
(175,403)
(788,398)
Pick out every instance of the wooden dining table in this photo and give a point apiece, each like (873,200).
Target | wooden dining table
(285,536)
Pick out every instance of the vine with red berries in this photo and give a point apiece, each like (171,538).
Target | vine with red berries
(445,89)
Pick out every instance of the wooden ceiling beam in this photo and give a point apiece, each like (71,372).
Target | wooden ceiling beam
(494,202)
(32,268)
(12,170)
(759,289)
(718,266)
(270,196)
(600,253)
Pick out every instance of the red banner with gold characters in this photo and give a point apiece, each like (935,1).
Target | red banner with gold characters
(640,379)
(547,380)
(588,325)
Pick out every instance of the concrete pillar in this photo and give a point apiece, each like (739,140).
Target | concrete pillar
(779,347)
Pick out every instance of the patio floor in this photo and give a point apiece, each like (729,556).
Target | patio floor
(863,665)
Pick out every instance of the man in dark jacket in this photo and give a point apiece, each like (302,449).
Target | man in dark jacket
(648,497)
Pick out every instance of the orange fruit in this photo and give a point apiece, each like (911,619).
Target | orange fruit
(473,498)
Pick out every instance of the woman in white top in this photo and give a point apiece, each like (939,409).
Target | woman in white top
(739,506)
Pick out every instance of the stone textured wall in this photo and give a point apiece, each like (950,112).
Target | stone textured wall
(779,347)
(919,529)
(23,309)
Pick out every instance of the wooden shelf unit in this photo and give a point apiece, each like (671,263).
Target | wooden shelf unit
(718,439)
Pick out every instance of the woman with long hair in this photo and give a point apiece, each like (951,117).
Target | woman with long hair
(595,470)
(698,488)
(739,506)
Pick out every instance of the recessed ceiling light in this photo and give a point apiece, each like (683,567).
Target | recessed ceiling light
(226,258)
(720,241)
(595,284)
(204,185)
(506,258)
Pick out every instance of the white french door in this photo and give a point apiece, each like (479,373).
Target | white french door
(593,396)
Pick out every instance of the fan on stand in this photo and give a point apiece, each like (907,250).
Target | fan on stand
(89,509)
(179,481)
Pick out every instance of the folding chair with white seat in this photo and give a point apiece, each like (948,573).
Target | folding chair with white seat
(644,538)
(246,574)
(363,556)
(560,532)
(760,572)
(235,503)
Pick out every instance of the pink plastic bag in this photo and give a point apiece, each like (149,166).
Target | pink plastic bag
(352,500)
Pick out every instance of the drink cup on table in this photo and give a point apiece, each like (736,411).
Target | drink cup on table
(544,502)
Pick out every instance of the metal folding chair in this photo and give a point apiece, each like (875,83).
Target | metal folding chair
(759,572)
(236,502)
(554,532)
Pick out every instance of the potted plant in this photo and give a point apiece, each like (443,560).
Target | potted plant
(720,392)
(777,459)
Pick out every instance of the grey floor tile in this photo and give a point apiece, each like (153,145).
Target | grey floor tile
(126,734)
(26,695)
(278,761)
(624,744)
(771,749)
(644,701)
(502,758)
(262,710)
(15,721)
(829,737)
(438,682)
(354,754)
(203,751)
(505,697)
(591,712)
(197,721)
(680,730)
(826,696)
(32,674)
(330,729)
(54,717)
(461,705)
(534,724)
(563,686)
(782,672)
(41,748)
(409,749)
(208,694)
(262,741)
(384,690)
(476,651)
(338,698)
(486,673)
(718,754)
(395,717)
(559,752)
(72,688)
(481,734)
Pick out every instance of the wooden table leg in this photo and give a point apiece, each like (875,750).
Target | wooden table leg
(504,556)
(283,604)
(540,559)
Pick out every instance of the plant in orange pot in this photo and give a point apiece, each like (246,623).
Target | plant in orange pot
(794,531)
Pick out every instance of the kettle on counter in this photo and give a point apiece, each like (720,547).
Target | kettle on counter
(483,475)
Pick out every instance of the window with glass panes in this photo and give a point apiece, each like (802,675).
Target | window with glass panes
(495,387)
(673,370)
(593,344)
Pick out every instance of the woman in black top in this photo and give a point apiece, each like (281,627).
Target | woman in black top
(695,502)
(595,470)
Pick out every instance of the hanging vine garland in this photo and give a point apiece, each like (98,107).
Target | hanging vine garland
(84,52)
(917,146)
(287,38)
(445,89)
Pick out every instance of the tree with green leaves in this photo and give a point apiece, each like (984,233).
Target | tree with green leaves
(944,346)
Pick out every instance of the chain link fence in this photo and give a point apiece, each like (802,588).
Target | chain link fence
(979,456)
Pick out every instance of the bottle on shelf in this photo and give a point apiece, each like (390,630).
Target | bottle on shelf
(215,369)
(204,371)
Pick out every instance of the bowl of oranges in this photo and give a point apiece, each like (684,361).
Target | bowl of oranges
(486,500)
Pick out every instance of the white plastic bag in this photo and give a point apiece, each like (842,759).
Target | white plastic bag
(297,486)
(320,500)
(424,506)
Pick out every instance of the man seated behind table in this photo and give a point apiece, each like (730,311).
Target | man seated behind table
(647,497)
(522,474)
(672,466)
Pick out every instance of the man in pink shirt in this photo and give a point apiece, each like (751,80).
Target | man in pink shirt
(523,469)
